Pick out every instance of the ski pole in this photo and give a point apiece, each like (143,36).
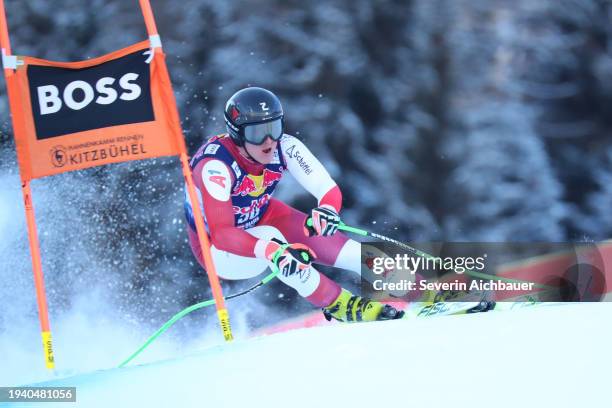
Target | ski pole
(188,310)
(210,302)
(425,255)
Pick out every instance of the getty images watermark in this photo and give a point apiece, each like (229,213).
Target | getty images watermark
(383,266)
(502,271)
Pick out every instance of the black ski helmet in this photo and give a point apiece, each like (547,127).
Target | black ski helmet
(253,106)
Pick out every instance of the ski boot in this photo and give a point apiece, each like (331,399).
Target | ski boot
(351,308)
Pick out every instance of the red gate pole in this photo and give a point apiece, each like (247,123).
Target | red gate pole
(10,64)
(222,312)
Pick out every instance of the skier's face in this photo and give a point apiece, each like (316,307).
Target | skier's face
(263,153)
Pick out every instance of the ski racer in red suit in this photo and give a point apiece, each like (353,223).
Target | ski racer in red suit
(236,175)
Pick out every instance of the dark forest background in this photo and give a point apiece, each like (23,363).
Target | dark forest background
(465,120)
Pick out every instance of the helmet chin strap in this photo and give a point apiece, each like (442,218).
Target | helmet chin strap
(249,154)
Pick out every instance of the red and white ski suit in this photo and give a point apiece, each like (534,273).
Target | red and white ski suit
(242,216)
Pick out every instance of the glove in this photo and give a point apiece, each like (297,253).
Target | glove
(290,260)
(325,222)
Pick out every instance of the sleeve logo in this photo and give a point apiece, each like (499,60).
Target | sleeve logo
(217,180)
(211,149)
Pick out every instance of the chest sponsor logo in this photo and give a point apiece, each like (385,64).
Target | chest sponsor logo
(249,215)
(236,169)
(255,186)
(275,158)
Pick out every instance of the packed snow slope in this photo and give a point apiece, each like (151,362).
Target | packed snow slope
(557,356)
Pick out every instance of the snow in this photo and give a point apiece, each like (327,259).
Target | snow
(547,356)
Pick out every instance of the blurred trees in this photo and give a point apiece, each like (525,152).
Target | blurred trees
(440,120)
(565,72)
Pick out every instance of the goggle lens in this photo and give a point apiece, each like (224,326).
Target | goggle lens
(257,134)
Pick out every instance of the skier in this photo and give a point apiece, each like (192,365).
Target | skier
(236,175)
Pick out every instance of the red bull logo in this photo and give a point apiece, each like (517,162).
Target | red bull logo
(247,186)
(254,206)
(270,176)
(255,186)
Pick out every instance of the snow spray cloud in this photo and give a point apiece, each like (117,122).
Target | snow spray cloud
(108,286)
(83,315)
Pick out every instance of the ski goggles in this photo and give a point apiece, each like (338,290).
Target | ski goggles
(257,134)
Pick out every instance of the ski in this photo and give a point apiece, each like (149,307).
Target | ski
(421,310)
(425,309)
